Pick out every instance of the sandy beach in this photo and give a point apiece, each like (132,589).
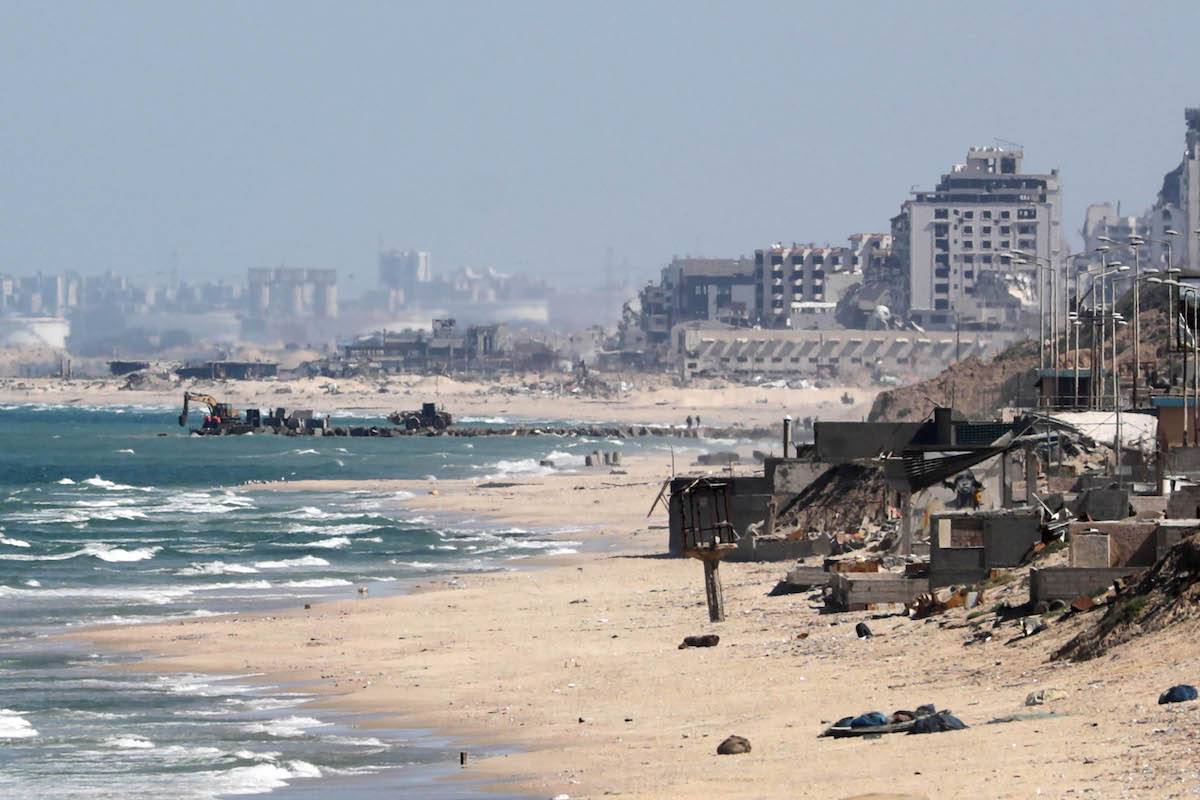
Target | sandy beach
(648,399)
(577,666)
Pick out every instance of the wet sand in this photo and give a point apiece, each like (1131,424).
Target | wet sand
(576,665)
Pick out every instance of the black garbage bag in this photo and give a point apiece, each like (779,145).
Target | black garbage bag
(1177,694)
(937,723)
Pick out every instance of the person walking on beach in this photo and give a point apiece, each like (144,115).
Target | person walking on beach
(689,422)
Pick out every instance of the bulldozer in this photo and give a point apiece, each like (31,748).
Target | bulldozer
(218,413)
(427,417)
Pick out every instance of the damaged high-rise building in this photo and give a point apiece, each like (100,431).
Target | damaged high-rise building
(952,242)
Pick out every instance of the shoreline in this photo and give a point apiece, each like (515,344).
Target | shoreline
(453,499)
(649,399)
(573,669)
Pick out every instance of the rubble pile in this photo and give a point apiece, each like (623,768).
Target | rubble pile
(1166,594)
(844,498)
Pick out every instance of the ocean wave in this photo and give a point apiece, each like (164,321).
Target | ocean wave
(210,587)
(348,529)
(308,451)
(216,568)
(126,451)
(316,583)
(285,727)
(130,742)
(15,726)
(117,555)
(520,466)
(111,486)
(149,596)
(104,552)
(485,420)
(332,543)
(258,779)
(13,542)
(293,563)
(65,482)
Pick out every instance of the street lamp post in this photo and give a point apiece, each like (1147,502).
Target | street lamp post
(1183,289)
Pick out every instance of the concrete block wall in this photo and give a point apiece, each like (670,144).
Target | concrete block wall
(1184,503)
(1129,543)
(1067,583)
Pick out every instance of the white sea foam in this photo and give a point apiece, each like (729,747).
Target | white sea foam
(118,555)
(332,543)
(520,466)
(66,482)
(316,583)
(485,420)
(239,585)
(130,742)
(101,483)
(251,755)
(147,595)
(15,726)
(293,563)
(216,568)
(13,542)
(126,451)
(306,452)
(98,550)
(285,727)
(340,530)
(259,778)
(33,582)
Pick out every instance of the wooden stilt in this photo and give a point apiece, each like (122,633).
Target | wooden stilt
(712,589)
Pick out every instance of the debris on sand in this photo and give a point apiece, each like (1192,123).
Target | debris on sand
(1167,594)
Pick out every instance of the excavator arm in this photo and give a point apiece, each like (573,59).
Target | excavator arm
(193,397)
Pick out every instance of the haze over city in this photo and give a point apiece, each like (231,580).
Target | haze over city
(141,137)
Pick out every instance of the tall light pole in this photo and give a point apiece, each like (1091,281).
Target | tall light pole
(1183,289)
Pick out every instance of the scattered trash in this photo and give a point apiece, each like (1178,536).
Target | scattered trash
(874,723)
(1178,694)
(1083,603)
(862,631)
(1031,625)
(707,640)
(1026,716)
(1043,696)
(733,745)
(940,722)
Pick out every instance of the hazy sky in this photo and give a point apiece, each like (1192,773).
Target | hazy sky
(534,135)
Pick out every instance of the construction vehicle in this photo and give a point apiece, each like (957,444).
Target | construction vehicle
(427,417)
(218,413)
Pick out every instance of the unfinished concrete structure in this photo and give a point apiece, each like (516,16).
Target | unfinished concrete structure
(705,349)
(964,546)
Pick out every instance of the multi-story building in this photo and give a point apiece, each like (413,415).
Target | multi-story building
(715,289)
(292,292)
(794,283)
(402,274)
(1178,205)
(952,241)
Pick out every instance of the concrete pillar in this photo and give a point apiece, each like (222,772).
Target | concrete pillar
(1031,473)
(905,524)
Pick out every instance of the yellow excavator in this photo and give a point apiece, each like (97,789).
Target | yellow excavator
(222,411)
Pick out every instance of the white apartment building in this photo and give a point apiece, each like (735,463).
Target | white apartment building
(952,241)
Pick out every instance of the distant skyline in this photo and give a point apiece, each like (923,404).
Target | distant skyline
(536,136)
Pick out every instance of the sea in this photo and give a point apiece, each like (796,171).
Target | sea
(116,515)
